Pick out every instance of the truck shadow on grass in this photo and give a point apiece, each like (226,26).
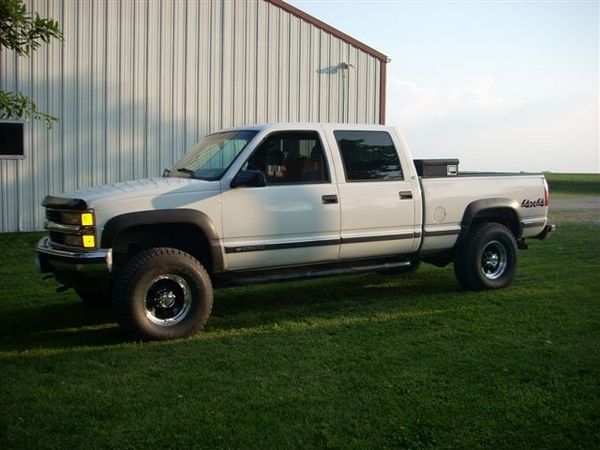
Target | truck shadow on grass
(58,325)
(74,324)
(265,304)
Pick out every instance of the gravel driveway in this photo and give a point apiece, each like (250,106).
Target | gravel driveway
(576,203)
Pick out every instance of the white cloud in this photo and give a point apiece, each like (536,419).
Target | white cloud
(478,92)
(414,103)
(488,131)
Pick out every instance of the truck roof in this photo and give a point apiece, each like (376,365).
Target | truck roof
(305,125)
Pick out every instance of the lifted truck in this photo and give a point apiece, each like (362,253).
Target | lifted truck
(279,201)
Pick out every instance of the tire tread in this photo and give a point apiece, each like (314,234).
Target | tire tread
(123,287)
(466,264)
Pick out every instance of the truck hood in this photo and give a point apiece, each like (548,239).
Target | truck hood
(148,187)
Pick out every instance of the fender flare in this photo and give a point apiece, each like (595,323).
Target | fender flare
(123,222)
(478,207)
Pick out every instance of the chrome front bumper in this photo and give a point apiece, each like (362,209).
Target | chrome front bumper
(50,259)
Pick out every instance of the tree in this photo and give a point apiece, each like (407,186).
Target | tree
(23,32)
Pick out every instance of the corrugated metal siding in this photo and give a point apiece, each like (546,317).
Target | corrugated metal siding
(136,83)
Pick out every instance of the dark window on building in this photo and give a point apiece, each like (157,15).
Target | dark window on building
(11,140)
(368,155)
(291,157)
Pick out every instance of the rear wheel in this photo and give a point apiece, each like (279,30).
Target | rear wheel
(487,259)
(163,293)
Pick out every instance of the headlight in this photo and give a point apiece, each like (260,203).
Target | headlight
(72,228)
(72,240)
(78,218)
(85,241)
(87,219)
(89,241)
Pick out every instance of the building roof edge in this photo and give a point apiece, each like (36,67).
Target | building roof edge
(329,29)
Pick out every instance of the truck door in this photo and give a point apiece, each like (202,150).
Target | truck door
(377,201)
(295,218)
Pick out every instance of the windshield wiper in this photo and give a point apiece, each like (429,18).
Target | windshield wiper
(184,170)
(193,175)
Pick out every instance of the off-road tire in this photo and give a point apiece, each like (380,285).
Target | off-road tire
(162,293)
(487,259)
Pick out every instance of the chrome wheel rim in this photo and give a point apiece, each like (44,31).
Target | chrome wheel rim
(494,260)
(168,300)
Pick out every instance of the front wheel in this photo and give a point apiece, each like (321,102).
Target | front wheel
(487,259)
(163,293)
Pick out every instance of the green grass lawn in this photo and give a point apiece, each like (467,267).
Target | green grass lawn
(366,361)
(565,185)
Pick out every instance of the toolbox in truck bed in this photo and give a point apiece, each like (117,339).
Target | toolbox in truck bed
(435,168)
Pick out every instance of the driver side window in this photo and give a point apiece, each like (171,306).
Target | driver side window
(288,157)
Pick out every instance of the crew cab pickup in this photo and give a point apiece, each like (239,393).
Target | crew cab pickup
(278,201)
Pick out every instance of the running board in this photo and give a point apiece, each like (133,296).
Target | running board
(301,273)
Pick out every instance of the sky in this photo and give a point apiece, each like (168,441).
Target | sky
(502,85)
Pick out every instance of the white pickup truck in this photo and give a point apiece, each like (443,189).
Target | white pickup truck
(279,201)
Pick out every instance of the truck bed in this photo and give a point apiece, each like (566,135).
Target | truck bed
(446,198)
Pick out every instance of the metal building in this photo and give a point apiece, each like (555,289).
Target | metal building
(136,83)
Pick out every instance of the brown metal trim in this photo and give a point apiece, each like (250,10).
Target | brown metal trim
(328,28)
(382,90)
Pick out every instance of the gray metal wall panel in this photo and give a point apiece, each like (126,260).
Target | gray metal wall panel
(136,83)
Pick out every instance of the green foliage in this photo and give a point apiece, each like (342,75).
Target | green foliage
(23,33)
(366,361)
(19,106)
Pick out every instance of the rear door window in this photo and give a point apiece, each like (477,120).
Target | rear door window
(368,155)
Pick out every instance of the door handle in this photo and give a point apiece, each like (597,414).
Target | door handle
(405,195)
(328,199)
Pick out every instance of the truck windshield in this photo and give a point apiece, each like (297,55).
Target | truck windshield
(210,158)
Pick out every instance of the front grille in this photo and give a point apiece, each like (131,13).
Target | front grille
(57,238)
(53,215)
(65,229)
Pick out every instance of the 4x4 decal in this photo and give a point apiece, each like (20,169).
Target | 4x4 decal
(526,203)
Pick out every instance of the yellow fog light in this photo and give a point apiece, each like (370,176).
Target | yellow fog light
(87,219)
(89,241)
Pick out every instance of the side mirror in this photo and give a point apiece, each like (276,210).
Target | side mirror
(249,178)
